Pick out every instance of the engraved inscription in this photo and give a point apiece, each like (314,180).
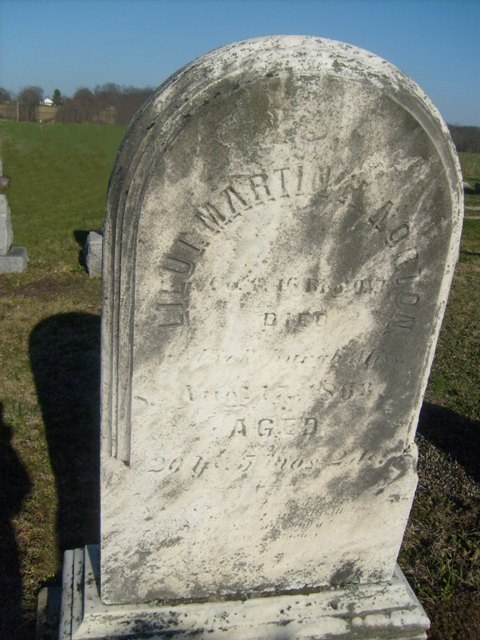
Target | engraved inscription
(246,191)
(407,266)
(244,393)
(265,466)
(294,320)
(176,270)
(269,427)
(354,357)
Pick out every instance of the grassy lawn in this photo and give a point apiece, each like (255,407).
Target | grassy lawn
(49,362)
(471,173)
(49,350)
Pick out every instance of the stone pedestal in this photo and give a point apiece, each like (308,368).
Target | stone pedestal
(14,261)
(373,611)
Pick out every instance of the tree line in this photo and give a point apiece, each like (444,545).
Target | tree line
(108,103)
(113,104)
(465,138)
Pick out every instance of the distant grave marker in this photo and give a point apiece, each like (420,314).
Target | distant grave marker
(283,223)
(12,259)
(92,253)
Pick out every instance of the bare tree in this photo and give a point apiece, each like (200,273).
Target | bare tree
(29,99)
(84,105)
(130,101)
(466,138)
(107,103)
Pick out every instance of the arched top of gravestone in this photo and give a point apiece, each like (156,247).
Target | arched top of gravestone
(228,69)
(218,78)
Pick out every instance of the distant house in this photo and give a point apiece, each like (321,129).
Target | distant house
(48,102)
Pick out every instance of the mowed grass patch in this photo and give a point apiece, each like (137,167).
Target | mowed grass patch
(470,163)
(59,176)
(49,350)
(441,549)
(456,367)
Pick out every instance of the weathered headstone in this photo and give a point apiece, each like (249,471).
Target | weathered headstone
(12,259)
(283,223)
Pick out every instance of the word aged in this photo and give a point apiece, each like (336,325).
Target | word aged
(267,427)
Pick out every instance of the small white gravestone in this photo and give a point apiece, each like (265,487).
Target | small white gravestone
(283,224)
(12,259)
(93,253)
(6,233)
(4,181)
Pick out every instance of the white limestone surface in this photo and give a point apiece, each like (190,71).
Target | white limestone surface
(283,223)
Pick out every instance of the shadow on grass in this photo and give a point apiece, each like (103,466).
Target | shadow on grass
(454,434)
(14,487)
(470,253)
(65,360)
(81,238)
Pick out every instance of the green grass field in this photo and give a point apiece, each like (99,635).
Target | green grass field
(471,173)
(49,359)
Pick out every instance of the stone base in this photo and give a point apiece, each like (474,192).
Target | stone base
(376,611)
(14,261)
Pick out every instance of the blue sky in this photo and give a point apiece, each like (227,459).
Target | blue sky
(67,44)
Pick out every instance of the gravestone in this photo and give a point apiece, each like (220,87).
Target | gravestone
(6,233)
(93,251)
(4,181)
(12,259)
(282,228)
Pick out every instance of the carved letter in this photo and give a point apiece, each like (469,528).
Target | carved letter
(398,234)
(377,220)
(239,428)
(264,427)
(210,217)
(200,466)
(184,268)
(299,180)
(285,193)
(270,319)
(407,298)
(172,315)
(259,181)
(403,321)
(310,425)
(232,196)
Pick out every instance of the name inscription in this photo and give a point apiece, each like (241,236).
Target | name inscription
(245,192)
